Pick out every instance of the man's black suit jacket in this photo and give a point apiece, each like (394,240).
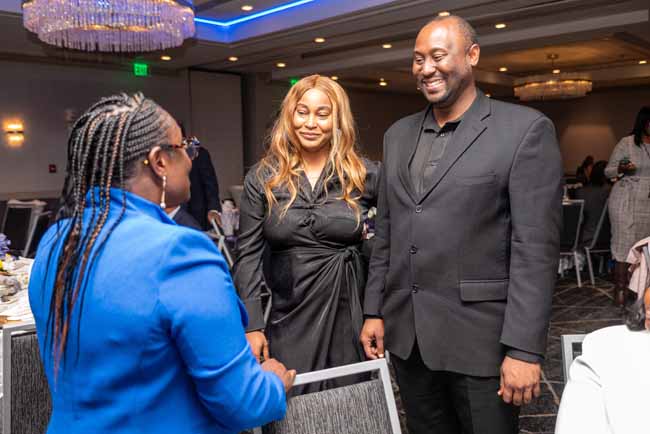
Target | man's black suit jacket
(204,189)
(468,266)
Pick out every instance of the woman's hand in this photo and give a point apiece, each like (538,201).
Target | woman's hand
(258,344)
(287,377)
(626,168)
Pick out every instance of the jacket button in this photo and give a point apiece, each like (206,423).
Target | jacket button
(414,288)
(414,250)
(418,209)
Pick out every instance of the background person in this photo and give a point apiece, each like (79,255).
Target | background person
(608,384)
(629,202)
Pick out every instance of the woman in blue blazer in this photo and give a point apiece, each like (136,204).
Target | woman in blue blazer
(139,326)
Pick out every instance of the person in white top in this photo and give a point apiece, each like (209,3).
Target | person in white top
(607,391)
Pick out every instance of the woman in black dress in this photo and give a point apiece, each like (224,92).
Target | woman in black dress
(304,204)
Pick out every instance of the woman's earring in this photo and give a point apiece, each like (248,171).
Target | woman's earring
(163,205)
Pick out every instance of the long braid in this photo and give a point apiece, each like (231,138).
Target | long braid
(105,145)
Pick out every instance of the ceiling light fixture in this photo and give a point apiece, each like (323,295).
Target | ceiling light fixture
(334,77)
(319,40)
(166,58)
(247,8)
(281,65)
(233,58)
(556,71)
(387,46)
(503,69)
(383,83)
(553,86)
(489,95)
(643,62)
(110,26)
(444,14)
(254,16)
(500,26)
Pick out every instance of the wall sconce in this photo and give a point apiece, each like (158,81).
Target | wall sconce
(15,134)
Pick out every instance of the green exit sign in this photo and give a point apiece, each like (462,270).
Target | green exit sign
(293,80)
(140,69)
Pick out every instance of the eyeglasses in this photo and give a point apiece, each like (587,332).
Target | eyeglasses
(190,144)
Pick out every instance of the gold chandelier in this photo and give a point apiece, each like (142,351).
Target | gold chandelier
(110,25)
(558,85)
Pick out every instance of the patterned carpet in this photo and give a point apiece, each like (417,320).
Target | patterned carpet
(575,310)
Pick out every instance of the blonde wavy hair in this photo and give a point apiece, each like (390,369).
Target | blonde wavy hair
(282,163)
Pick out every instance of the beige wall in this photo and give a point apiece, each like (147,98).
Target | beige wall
(39,95)
(594,124)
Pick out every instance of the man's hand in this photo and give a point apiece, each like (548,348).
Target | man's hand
(519,381)
(372,338)
(287,377)
(214,215)
(258,344)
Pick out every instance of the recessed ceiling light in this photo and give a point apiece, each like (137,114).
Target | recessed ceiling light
(489,95)
(642,62)
(334,77)
(166,58)
(233,58)
(556,71)
(281,65)
(500,26)
(383,83)
(387,46)
(381,79)
(247,8)
(444,14)
(319,40)
(503,69)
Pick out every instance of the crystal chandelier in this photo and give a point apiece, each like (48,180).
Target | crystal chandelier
(110,25)
(558,85)
(552,86)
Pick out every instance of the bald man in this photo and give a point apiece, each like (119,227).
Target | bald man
(466,246)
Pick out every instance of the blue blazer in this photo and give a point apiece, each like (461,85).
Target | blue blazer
(156,343)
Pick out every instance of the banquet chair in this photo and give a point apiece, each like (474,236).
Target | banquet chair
(26,401)
(572,216)
(571,348)
(37,232)
(362,408)
(601,242)
(17,227)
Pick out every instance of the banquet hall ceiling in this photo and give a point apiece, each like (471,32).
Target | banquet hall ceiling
(606,38)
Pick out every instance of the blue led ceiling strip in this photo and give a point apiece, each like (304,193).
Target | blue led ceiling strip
(254,16)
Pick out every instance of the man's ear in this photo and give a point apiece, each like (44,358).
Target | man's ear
(474,54)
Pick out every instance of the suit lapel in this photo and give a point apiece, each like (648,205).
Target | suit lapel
(470,128)
(408,146)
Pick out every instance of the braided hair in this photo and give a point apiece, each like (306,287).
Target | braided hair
(105,145)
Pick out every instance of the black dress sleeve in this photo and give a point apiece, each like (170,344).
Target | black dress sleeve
(248,275)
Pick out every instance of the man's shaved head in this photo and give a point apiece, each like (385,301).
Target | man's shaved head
(463,26)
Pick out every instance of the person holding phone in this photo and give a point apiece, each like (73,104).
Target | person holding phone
(629,203)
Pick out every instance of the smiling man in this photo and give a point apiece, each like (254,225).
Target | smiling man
(466,246)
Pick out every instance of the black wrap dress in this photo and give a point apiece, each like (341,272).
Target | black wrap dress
(311,261)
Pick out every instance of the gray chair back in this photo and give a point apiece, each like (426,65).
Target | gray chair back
(603,236)
(26,401)
(572,215)
(17,227)
(37,232)
(571,348)
(362,408)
